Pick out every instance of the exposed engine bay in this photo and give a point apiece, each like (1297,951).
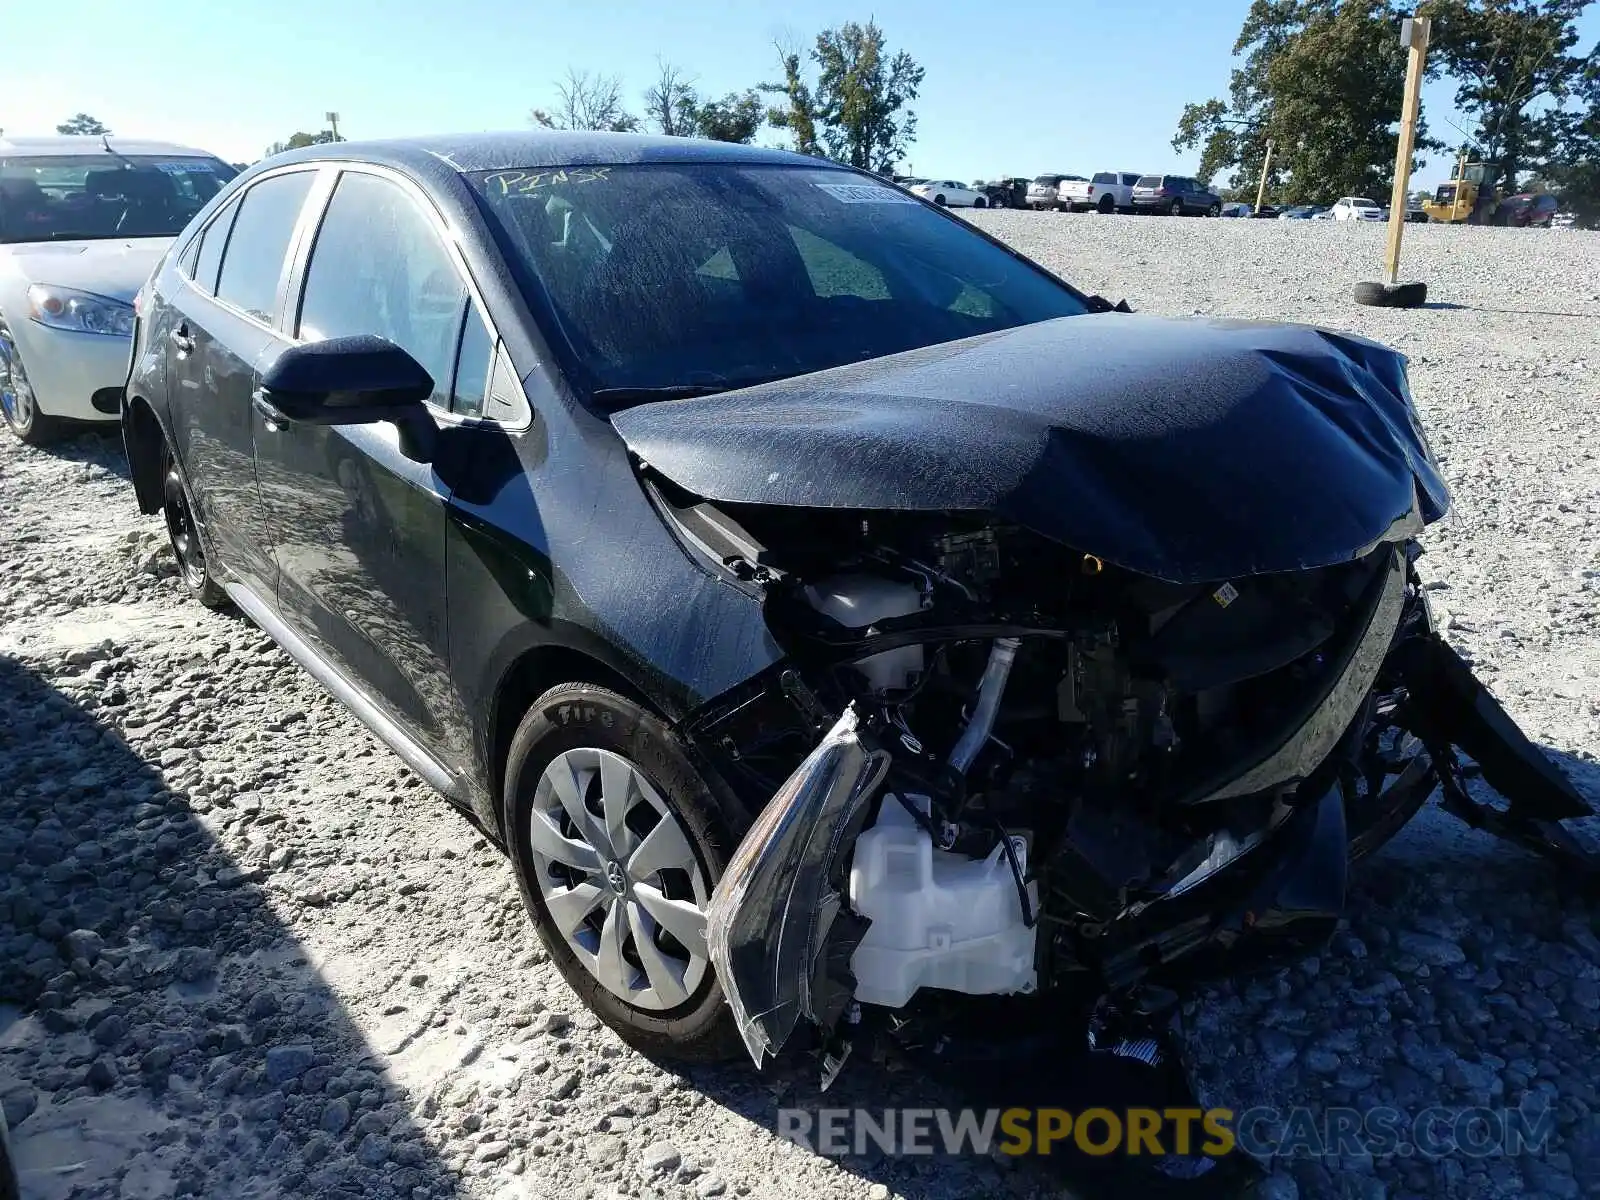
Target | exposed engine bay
(991,764)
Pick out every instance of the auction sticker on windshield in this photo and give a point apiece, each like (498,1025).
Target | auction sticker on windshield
(865,193)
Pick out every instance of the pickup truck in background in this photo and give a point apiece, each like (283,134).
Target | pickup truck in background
(1107,192)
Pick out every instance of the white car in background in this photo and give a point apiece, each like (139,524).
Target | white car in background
(949,193)
(1107,192)
(1044,192)
(83,222)
(1356,208)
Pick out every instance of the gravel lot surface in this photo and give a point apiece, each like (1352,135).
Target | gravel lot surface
(245,953)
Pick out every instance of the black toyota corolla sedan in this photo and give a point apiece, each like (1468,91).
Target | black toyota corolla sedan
(826,607)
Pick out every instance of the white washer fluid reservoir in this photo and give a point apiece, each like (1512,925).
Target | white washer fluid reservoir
(939,920)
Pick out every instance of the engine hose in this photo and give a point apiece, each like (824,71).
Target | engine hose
(1002,653)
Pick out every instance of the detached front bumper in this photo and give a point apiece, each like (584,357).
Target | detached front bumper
(68,370)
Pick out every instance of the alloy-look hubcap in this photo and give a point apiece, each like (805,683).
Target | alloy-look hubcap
(16,397)
(619,878)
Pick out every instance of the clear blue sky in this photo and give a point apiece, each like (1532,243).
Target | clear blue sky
(1013,86)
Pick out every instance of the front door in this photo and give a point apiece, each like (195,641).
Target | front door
(223,327)
(358,528)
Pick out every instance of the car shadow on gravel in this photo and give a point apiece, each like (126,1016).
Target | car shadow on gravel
(1449,306)
(148,1047)
(94,446)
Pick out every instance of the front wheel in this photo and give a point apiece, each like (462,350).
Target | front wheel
(617,842)
(17,402)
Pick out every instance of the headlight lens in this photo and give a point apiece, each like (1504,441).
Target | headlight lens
(80,312)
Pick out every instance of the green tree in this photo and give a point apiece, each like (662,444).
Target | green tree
(1323,80)
(798,112)
(1514,65)
(1573,171)
(300,140)
(856,111)
(585,101)
(734,118)
(83,123)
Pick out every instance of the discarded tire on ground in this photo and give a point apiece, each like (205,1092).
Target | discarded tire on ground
(1384,295)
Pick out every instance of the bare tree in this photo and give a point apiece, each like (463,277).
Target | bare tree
(587,102)
(672,102)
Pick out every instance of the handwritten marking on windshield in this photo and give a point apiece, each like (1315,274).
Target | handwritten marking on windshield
(520,183)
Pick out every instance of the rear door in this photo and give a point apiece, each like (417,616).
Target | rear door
(227,309)
(358,527)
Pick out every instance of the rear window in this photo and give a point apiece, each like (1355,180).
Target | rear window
(1149,181)
(716,275)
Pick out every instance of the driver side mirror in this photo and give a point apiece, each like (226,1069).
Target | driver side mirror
(357,380)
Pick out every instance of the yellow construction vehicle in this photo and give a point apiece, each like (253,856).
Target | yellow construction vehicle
(1469,198)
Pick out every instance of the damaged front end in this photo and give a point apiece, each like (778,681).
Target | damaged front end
(1105,657)
(995,766)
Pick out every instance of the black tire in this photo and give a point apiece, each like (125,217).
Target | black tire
(980,202)
(1214,211)
(939,200)
(1107,205)
(1381,295)
(196,567)
(1177,208)
(575,715)
(18,405)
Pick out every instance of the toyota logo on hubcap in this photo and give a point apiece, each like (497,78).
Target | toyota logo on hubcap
(616,877)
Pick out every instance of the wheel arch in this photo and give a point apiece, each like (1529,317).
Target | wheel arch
(533,673)
(143,439)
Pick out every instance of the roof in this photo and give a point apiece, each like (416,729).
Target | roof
(543,148)
(87,143)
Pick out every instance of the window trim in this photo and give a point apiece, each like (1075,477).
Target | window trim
(294,283)
(228,208)
(238,205)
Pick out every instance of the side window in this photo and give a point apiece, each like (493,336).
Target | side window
(211,242)
(190,253)
(1104,177)
(834,271)
(472,366)
(379,267)
(256,249)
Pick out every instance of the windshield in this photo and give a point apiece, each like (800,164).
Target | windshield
(104,195)
(717,275)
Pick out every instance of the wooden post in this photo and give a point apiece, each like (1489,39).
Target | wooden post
(1266,165)
(1414,32)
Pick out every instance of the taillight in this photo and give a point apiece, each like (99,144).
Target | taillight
(1091,189)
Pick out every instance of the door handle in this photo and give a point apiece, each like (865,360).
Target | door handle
(271,416)
(181,341)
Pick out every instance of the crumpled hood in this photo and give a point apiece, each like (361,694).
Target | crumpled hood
(1190,450)
(116,268)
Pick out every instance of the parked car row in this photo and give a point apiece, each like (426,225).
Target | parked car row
(1124,192)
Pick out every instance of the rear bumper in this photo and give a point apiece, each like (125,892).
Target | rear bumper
(66,369)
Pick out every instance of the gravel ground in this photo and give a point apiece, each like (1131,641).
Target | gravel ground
(245,953)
